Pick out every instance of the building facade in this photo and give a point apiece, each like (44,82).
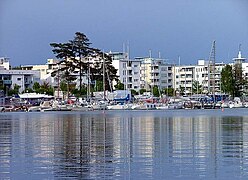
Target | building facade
(45,70)
(128,70)
(155,72)
(190,79)
(23,78)
(4,63)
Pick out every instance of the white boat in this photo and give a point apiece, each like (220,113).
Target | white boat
(80,108)
(162,107)
(236,103)
(225,104)
(116,107)
(175,105)
(99,105)
(119,107)
(245,104)
(1,109)
(44,106)
(59,106)
(34,109)
(144,106)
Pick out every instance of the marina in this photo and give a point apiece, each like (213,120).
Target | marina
(113,90)
(137,144)
(41,104)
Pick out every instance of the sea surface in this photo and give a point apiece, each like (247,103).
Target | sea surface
(168,144)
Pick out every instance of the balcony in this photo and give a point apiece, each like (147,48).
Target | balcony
(7,82)
(154,78)
(27,82)
(155,71)
(129,67)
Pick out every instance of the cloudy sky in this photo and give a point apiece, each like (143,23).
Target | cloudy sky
(184,28)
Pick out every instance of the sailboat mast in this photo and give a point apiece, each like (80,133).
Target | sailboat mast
(152,71)
(212,70)
(104,87)
(128,65)
(58,80)
(88,74)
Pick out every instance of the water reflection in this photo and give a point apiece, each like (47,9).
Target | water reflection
(122,145)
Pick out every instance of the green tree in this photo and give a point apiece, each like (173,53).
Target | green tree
(36,87)
(75,56)
(119,85)
(14,91)
(168,91)
(98,86)
(238,79)
(156,92)
(77,93)
(46,88)
(227,80)
(28,90)
(64,51)
(133,92)
(196,87)
(64,88)
(141,91)
(82,53)
(182,90)
(103,66)
(1,85)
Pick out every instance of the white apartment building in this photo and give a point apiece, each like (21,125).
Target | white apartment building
(128,70)
(10,78)
(23,78)
(185,75)
(142,72)
(4,63)
(44,69)
(155,72)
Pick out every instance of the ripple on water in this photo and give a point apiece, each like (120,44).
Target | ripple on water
(124,145)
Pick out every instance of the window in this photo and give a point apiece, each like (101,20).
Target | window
(19,79)
(165,69)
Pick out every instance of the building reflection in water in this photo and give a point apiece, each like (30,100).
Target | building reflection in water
(127,145)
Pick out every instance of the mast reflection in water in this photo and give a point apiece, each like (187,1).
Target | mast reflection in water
(124,145)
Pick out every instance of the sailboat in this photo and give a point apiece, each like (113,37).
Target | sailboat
(102,104)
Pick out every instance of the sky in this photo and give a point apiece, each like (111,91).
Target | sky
(184,28)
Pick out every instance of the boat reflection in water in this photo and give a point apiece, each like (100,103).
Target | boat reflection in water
(124,144)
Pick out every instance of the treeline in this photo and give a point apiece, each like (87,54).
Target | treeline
(233,81)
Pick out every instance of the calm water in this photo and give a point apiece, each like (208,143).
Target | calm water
(188,144)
